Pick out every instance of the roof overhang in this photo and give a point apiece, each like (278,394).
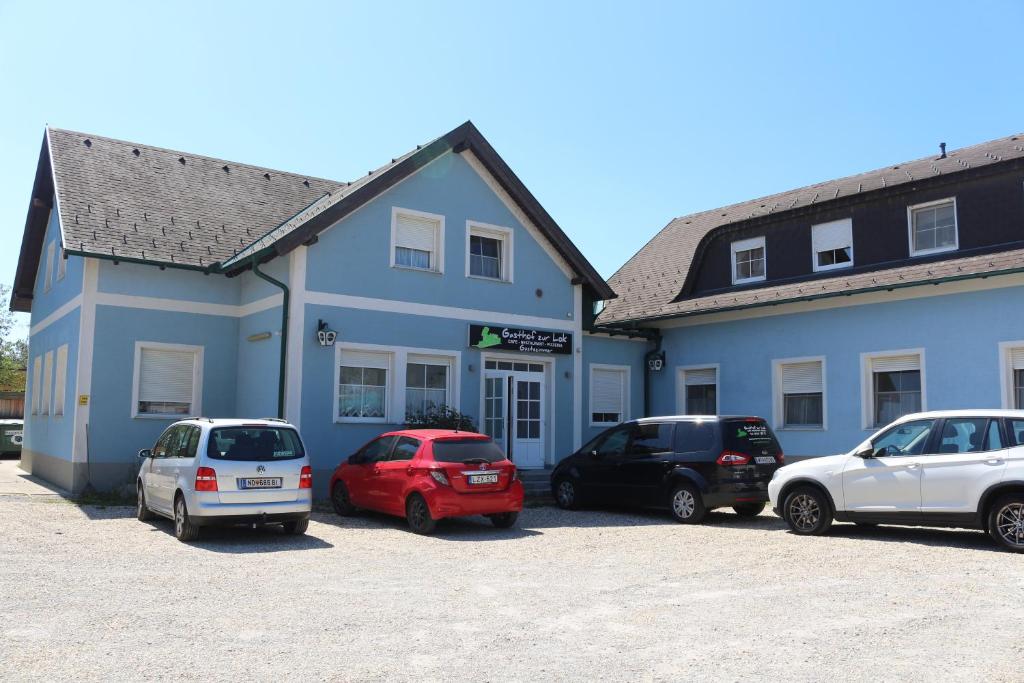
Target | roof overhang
(35,232)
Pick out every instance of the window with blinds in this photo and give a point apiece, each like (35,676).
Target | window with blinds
(700,391)
(802,389)
(166,380)
(363,382)
(895,387)
(832,244)
(60,380)
(608,391)
(416,241)
(1016,362)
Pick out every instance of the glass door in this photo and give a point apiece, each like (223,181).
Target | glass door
(496,408)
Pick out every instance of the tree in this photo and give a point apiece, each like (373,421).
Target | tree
(13,348)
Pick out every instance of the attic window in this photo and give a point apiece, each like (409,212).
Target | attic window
(748,260)
(832,245)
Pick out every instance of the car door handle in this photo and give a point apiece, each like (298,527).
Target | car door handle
(994,461)
(911,466)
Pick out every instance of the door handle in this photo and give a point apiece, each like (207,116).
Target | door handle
(911,466)
(994,461)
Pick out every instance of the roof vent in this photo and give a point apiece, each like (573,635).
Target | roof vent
(226,169)
(942,150)
(266,176)
(136,151)
(87,142)
(306,183)
(181,160)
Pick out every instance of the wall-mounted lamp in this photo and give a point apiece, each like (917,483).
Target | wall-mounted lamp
(259,336)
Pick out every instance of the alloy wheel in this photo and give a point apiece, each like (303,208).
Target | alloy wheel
(804,511)
(566,493)
(683,503)
(1010,524)
(179,517)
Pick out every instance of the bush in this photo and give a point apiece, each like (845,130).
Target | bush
(441,418)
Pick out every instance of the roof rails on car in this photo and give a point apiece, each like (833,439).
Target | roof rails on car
(197,418)
(274,419)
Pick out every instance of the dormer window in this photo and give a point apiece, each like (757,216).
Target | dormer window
(832,244)
(748,260)
(933,227)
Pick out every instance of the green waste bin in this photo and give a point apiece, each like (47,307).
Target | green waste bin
(11,435)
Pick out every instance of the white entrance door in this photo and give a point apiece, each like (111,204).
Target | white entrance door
(514,410)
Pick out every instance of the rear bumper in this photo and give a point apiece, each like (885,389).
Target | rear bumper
(265,518)
(445,502)
(724,499)
(205,510)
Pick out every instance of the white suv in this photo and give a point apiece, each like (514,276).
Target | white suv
(203,472)
(960,468)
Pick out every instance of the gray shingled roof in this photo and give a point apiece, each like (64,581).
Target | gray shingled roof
(650,281)
(134,201)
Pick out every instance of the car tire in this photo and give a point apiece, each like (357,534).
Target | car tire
(807,511)
(1006,522)
(748,509)
(341,501)
(296,527)
(184,529)
(504,520)
(686,504)
(417,514)
(142,512)
(566,493)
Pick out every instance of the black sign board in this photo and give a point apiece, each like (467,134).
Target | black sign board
(518,339)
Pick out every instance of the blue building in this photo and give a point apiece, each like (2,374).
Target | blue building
(163,284)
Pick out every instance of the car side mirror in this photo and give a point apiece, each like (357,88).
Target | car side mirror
(145,454)
(594,453)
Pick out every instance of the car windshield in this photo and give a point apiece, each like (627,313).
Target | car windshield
(246,442)
(467,450)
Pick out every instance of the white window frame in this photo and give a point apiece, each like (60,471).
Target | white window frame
(62,264)
(48,279)
(626,380)
(438,239)
(745,245)
(424,359)
(928,205)
(681,371)
(815,251)
(496,232)
(37,384)
(60,380)
(779,399)
(45,407)
(867,387)
(1006,387)
(394,389)
(197,380)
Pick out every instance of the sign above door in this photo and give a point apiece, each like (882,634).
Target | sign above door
(518,339)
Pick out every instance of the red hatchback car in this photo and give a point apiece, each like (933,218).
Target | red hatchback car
(428,474)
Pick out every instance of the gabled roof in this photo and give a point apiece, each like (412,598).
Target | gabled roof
(133,202)
(655,282)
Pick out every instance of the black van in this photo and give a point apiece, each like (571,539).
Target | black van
(688,464)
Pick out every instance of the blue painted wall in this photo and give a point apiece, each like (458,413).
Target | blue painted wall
(46,302)
(960,334)
(52,434)
(258,362)
(353,257)
(173,283)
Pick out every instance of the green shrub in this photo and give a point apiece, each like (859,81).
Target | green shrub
(441,418)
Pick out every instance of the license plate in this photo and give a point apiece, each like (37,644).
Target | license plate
(260,483)
(483,479)
(765,460)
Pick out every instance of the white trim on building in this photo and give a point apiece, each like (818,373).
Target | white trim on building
(798,375)
(880,361)
(195,382)
(505,237)
(701,373)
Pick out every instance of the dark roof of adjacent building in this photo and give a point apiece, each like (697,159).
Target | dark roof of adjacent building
(138,203)
(653,283)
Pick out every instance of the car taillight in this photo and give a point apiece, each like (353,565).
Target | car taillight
(780,458)
(515,474)
(306,477)
(731,459)
(439,477)
(206,479)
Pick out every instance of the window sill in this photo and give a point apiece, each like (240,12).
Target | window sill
(489,279)
(411,269)
(801,429)
(361,420)
(825,269)
(748,281)
(155,416)
(930,252)
(605,424)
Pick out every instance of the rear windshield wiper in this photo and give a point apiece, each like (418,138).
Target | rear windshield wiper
(476,461)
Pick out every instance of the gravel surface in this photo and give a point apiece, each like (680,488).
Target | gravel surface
(89,593)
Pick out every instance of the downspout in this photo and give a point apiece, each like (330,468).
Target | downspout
(647,372)
(284,333)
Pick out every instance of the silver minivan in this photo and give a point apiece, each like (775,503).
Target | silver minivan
(205,472)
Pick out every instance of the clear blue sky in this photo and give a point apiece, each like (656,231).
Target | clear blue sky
(618,116)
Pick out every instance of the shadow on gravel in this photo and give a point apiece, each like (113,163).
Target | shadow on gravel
(456,529)
(553,517)
(242,540)
(971,539)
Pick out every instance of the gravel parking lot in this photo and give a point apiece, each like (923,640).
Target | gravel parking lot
(90,593)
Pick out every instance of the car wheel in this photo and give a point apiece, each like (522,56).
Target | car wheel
(184,529)
(296,527)
(1006,522)
(686,504)
(417,514)
(807,511)
(142,512)
(504,520)
(340,500)
(748,509)
(566,494)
